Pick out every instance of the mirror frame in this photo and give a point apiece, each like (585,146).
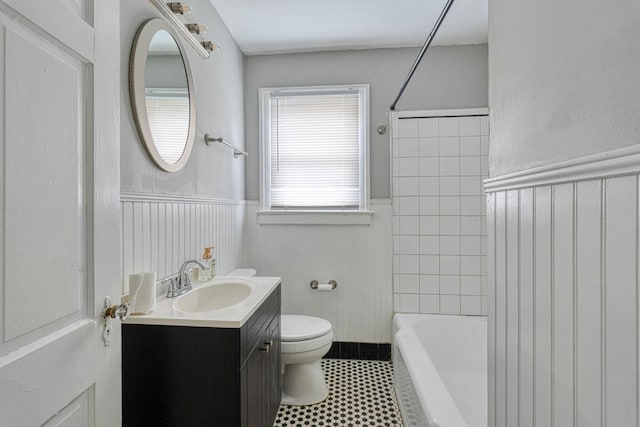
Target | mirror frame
(137,68)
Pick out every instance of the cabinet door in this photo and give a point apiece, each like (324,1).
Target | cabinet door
(255,388)
(272,371)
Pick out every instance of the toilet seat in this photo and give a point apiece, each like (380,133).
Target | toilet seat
(296,328)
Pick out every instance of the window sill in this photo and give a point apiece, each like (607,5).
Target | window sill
(314,217)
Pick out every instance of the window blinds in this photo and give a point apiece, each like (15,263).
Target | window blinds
(315,151)
(168,113)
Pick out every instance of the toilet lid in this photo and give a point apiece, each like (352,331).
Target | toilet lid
(299,328)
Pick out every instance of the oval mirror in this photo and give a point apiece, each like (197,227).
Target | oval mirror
(161,91)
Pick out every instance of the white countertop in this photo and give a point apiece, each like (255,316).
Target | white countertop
(230,317)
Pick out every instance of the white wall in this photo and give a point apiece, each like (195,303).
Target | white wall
(564,80)
(211,171)
(358,257)
(168,218)
(448,77)
(563,237)
(439,221)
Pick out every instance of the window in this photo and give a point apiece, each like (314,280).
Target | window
(314,146)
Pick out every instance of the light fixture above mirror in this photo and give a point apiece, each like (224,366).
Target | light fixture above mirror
(175,13)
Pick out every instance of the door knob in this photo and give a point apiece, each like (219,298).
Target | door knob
(121,311)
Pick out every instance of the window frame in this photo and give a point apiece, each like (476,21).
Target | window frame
(265,95)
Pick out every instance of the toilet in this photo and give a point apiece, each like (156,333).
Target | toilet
(304,340)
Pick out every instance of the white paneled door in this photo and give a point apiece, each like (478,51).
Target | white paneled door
(59,244)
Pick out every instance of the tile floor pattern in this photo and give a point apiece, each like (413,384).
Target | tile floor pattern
(360,394)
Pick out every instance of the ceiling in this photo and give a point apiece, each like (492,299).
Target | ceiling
(282,26)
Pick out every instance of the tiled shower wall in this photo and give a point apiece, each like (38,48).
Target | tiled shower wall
(439,222)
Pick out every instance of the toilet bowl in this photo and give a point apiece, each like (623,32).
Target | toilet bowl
(304,340)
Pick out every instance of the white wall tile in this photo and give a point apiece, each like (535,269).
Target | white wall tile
(471,265)
(429,205)
(450,226)
(471,205)
(449,126)
(407,205)
(429,147)
(406,147)
(470,146)
(450,146)
(429,284)
(471,225)
(429,186)
(471,245)
(430,245)
(429,304)
(470,126)
(484,145)
(429,225)
(405,166)
(450,285)
(484,166)
(428,127)
(449,205)
(471,285)
(471,305)
(471,166)
(408,245)
(408,264)
(429,264)
(408,128)
(429,166)
(450,264)
(405,186)
(449,186)
(450,245)
(409,283)
(449,304)
(484,125)
(409,303)
(450,166)
(470,186)
(408,225)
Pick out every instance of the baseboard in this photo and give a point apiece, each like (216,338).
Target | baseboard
(359,351)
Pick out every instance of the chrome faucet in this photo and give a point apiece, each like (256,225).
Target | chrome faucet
(181,284)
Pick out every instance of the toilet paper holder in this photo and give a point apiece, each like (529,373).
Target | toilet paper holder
(314,284)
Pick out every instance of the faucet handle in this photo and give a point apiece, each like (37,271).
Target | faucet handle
(173,286)
(184,281)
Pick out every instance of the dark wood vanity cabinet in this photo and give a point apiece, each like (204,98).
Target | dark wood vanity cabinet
(179,376)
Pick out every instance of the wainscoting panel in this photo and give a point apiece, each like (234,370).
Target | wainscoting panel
(563,298)
(159,233)
(358,257)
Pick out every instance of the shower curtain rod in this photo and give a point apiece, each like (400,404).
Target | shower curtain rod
(432,34)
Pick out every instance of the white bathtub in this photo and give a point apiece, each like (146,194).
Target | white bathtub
(440,370)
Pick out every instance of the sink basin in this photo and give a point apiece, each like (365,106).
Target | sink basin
(214,297)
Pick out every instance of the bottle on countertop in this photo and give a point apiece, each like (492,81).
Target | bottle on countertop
(209,261)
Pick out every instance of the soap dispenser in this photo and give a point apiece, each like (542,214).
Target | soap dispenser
(209,261)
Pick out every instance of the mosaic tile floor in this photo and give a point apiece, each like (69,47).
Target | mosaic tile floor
(360,394)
